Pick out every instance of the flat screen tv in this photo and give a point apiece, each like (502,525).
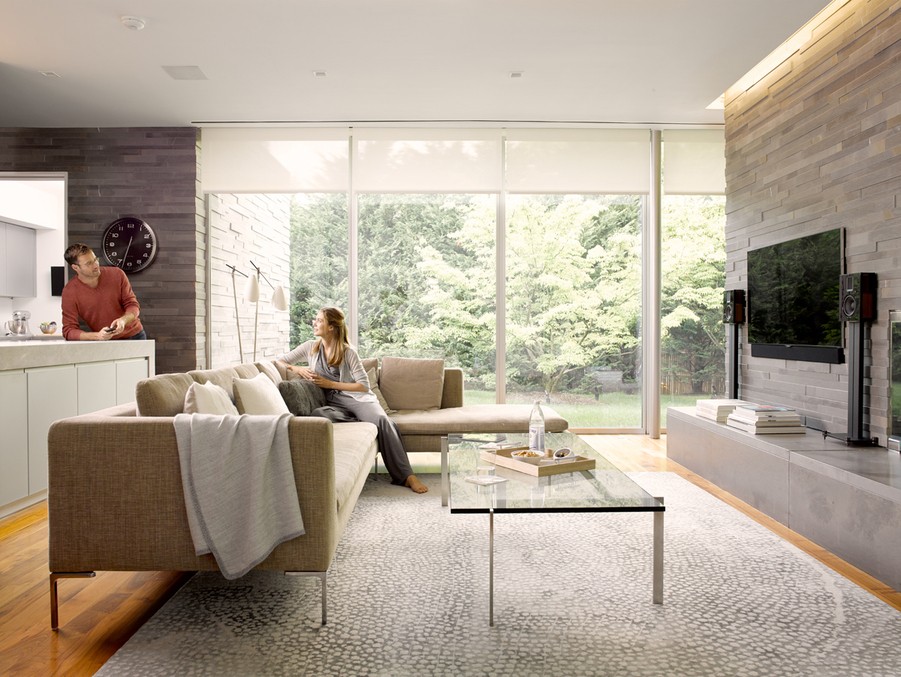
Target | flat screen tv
(793,299)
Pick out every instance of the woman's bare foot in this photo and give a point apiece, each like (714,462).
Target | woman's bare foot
(416,485)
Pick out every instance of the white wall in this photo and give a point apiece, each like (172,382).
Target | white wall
(38,201)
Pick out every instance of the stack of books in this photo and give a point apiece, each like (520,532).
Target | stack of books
(765,419)
(716,410)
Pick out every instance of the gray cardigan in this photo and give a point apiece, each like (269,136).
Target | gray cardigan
(350,371)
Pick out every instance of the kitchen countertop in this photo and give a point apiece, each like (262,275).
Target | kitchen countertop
(48,351)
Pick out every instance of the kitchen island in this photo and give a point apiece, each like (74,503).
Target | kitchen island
(44,379)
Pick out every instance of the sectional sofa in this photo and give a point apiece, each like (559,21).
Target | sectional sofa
(116,500)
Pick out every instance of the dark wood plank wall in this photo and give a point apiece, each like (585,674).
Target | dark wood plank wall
(147,172)
(814,145)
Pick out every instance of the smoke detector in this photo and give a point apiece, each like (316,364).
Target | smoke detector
(133,23)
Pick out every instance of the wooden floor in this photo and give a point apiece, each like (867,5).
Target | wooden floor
(97,616)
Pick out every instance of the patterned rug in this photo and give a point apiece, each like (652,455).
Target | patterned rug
(408,596)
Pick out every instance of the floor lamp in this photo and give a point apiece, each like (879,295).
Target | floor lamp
(237,316)
(252,293)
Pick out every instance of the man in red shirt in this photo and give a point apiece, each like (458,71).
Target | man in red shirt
(101,297)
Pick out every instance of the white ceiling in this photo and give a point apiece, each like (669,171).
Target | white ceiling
(613,61)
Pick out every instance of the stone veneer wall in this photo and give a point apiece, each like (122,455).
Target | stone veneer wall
(146,172)
(814,145)
(245,228)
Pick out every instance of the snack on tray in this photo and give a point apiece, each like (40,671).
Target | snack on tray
(526,453)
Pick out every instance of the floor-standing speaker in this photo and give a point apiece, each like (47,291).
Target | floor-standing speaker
(857,307)
(857,297)
(734,306)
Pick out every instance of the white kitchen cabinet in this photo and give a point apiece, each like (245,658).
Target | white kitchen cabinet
(96,386)
(17,261)
(14,424)
(52,395)
(128,373)
(44,381)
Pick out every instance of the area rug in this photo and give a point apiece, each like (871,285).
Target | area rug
(408,595)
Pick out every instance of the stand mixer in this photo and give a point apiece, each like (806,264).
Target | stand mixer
(18,326)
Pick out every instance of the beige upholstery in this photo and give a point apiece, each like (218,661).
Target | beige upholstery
(409,383)
(116,500)
(163,395)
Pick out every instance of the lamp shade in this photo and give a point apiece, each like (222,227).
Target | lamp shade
(278,298)
(252,289)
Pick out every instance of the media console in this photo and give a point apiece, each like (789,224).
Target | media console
(845,499)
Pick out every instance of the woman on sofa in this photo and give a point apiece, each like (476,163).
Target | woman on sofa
(335,366)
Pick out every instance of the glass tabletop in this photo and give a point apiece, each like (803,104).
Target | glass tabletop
(601,489)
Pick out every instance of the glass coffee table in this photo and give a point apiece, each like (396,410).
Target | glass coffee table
(603,488)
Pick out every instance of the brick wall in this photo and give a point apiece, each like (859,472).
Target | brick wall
(147,172)
(812,146)
(245,228)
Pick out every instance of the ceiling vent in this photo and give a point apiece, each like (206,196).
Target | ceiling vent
(185,73)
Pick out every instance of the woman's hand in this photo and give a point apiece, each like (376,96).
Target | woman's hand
(322,382)
(303,372)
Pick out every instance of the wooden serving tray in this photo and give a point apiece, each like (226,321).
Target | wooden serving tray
(533,466)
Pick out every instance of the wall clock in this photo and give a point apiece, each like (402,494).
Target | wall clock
(129,243)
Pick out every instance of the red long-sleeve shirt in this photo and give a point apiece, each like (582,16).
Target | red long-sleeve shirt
(100,305)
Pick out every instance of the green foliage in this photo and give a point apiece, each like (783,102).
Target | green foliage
(427,279)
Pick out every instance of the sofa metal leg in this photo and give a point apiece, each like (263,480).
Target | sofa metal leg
(323,580)
(54,597)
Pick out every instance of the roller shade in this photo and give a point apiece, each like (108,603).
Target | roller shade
(391,160)
(274,160)
(611,161)
(694,162)
(427,160)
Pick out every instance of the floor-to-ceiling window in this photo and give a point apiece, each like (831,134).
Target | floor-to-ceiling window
(573,296)
(692,275)
(319,262)
(693,255)
(426,281)
(514,254)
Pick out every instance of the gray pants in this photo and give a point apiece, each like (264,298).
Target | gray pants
(343,408)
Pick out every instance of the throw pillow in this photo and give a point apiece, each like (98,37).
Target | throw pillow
(258,395)
(374,387)
(301,396)
(208,398)
(270,370)
(410,383)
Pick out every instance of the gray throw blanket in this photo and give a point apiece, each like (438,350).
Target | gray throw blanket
(239,487)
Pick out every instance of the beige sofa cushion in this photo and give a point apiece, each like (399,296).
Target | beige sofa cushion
(372,375)
(208,398)
(485,418)
(271,371)
(258,395)
(162,395)
(225,376)
(353,444)
(410,383)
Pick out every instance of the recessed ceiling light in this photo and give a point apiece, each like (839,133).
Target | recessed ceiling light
(514,75)
(50,74)
(133,23)
(319,74)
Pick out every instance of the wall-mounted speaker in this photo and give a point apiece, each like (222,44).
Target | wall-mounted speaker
(857,297)
(57,280)
(734,306)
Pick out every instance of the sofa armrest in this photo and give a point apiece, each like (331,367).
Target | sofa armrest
(452,395)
